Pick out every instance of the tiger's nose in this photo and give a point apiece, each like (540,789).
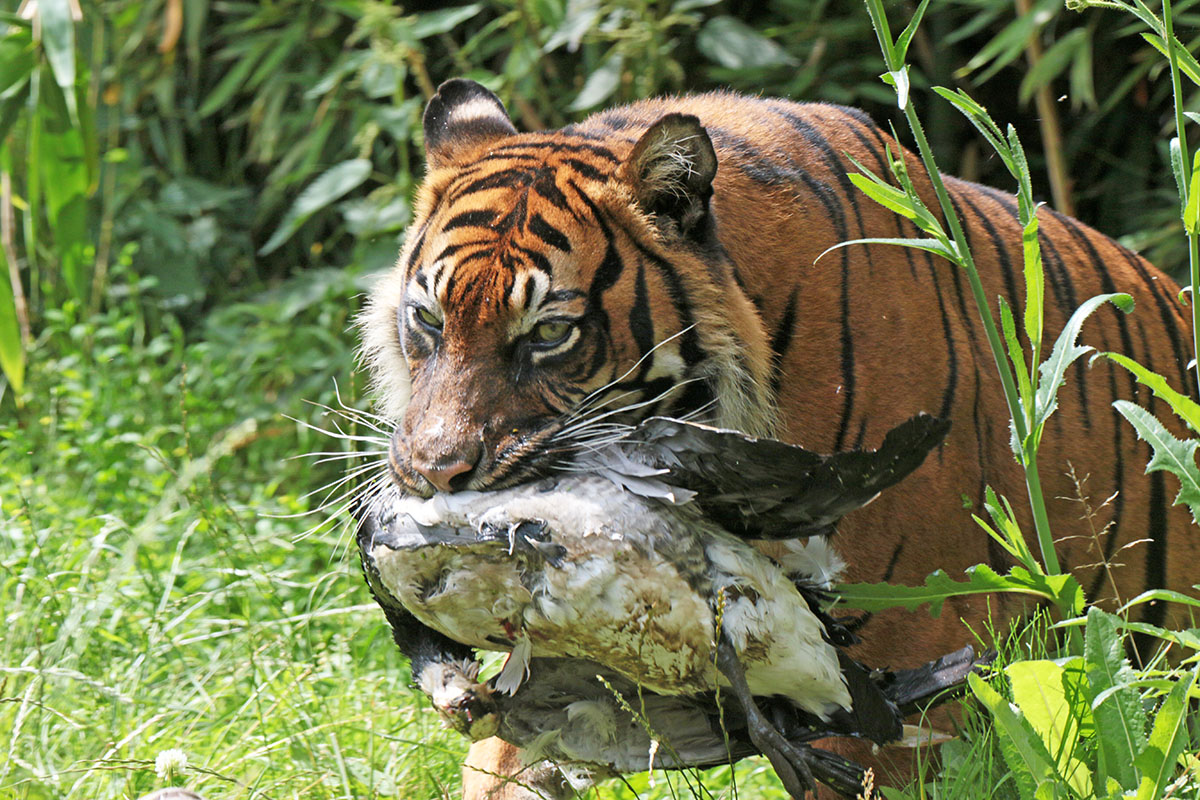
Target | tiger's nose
(448,473)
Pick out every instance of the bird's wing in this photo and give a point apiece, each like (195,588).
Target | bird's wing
(766,489)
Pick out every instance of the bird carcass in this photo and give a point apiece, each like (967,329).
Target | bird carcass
(635,564)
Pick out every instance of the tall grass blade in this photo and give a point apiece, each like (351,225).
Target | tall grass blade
(12,354)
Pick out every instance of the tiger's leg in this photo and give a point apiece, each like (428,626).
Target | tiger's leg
(494,770)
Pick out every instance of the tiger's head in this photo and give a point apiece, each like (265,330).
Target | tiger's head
(551,283)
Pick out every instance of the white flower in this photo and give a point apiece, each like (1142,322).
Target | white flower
(170,763)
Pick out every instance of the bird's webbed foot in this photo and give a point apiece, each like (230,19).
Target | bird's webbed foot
(791,761)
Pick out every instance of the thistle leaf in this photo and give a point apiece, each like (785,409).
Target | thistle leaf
(1170,454)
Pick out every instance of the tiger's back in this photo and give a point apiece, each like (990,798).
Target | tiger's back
(720,289)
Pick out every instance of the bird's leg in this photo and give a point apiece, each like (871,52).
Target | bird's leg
(790,762)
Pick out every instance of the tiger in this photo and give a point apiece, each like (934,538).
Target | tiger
(665,257)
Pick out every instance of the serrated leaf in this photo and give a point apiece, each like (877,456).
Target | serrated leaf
(331,185)
(1170,454)
(601,84)
(1185,407)
(734,44)
(1120,719)
(1158,759)
(939,587)
(1053,370)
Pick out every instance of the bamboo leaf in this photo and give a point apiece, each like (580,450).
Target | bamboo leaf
(58,40)
(1191,210)
(12,353)
(1170,454)
(733,44)
(331,185)
(1066,351)
(600,85)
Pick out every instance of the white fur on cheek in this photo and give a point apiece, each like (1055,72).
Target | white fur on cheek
(380,352)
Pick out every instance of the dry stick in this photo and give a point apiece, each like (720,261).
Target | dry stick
(1056,165)
(10,254)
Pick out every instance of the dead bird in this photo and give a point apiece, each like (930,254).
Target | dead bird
(637,559)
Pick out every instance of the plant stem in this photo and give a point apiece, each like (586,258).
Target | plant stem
(1011,397)
(1181,134)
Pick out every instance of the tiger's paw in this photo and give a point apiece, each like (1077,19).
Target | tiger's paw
(463,703)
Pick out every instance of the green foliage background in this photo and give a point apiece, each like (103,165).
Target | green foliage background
(195,195)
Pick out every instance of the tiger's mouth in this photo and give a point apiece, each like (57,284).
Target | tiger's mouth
(519,457)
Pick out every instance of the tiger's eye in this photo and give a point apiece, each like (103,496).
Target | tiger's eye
(428,318)
(551,332)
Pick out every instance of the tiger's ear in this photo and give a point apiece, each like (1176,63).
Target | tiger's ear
(461,115)
(671,171)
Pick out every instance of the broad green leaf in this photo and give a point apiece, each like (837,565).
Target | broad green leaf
(1053,370)
(12,352)
(1170,454)
(1048,696)
(734,44)
(443,21)
(1025,753)
(58,40)
(600,85)
(1168,737)
(943,249)
(331,185)
(1120,719)
(1185,407)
